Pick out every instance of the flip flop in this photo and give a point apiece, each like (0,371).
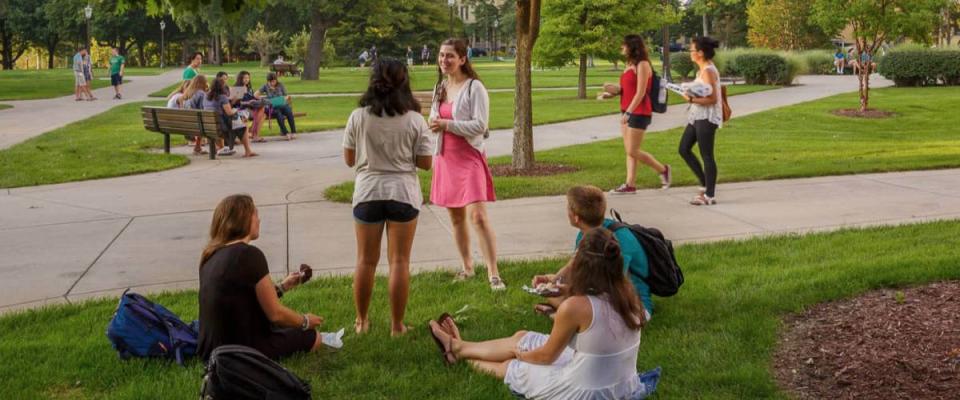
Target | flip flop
(444,317)
(445,349)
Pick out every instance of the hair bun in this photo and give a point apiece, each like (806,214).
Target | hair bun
(611,249)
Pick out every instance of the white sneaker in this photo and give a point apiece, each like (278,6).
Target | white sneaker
(226,151)
(496,284)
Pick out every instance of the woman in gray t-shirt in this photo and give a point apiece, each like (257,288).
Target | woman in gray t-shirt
(385,141)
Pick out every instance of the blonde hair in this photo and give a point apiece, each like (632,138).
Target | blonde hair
(197,84)
(181,89)
(231,222)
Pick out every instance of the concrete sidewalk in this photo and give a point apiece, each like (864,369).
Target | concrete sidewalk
(29,118)
(78,240)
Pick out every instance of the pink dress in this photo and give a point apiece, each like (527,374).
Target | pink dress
(460,172)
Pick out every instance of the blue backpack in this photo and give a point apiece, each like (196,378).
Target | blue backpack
(140,328)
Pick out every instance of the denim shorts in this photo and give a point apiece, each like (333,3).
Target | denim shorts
(379,211)
(637,121)
(116,80)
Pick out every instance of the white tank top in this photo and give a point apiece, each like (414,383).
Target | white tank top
(712,113)
(606,353)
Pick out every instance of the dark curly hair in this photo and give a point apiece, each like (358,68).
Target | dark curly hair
(636,49)
(707,45)
(389,89)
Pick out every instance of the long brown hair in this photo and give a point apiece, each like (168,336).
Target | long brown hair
(598,269)
(231,221)
(460,47)
(197,84)
(389,89)
(636,49)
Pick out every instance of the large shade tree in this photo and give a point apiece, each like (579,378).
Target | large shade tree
(874,22)
(528,29)
(576,29)
(784,24)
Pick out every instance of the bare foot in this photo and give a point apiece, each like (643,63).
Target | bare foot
(450,326)
(250,155)
(403,331)
(361,327)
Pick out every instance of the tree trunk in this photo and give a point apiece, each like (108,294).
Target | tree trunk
(582,79)
(864,87)
(318,35)
(51,47)
(528,28)
(706,25)
(6,53)
(141,54)
(666,54)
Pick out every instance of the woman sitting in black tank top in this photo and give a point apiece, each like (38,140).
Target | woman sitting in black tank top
(239,304)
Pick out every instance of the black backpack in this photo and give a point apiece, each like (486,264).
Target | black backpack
(665,275)
(658,95)
(237,372)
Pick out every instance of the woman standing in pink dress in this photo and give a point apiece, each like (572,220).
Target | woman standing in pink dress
(461,177)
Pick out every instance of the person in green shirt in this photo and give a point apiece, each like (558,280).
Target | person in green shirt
(117,64)
(586,206)
(193,69)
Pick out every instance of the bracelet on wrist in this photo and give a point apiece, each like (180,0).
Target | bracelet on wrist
(306,323)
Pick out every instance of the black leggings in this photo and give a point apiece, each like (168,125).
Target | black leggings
(701,132)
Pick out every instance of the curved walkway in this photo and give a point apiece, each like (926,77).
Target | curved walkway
(73,241)
(29,118)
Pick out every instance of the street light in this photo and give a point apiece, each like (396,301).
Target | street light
(451,3)
(88,12)
(496,26)
(163,25)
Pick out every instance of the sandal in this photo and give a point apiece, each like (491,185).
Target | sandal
(449,325)
(446,349)
(703,200)
(199,153)
(496,284)
(463,275)
(305,273)
(259,140)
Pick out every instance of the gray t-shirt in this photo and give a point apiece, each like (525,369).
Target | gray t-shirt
(387,150)
(215,104)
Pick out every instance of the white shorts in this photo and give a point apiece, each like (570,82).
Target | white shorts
(80,79)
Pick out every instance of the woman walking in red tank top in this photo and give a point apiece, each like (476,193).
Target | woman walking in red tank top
(636,112)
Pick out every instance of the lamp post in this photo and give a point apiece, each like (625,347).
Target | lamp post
(163,26)
(496,31)
(451,3)
(88,13)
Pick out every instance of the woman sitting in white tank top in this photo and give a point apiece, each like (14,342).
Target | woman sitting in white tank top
(591,353)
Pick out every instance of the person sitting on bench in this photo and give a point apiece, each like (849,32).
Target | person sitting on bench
(239,304)
(586,207)
(276,94)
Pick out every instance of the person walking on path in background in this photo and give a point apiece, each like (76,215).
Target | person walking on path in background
(386,140)
(425,55)
(88,74)
(117,66)
(193,69)
(239,303)
(462,182)
(592,349)
(409,56)
(704,117)
(364,57)
(80,79)
(636,113)
(374,55)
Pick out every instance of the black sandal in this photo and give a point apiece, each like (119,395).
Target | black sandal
(446,350)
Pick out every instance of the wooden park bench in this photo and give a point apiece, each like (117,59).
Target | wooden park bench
(730,79)
(282,69)
(189,123)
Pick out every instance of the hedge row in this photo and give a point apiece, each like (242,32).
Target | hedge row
(925,67)
(757,67)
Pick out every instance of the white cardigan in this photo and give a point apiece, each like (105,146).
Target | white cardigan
(471,115)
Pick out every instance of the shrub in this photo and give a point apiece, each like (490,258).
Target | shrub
(921,67)
(682,64)
(817,62)
(763,68)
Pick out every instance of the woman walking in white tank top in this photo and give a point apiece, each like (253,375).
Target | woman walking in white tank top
(703,119)
(591,352)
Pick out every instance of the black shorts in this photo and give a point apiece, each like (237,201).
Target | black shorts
(285,342)
(116,80)
(379,211)
(637,121)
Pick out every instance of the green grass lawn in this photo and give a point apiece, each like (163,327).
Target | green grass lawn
(43,84)
(145,71)
(354,80)
(791,142)
(120,131)
(714,339)
(5,106)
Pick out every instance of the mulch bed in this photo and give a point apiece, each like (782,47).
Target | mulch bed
(539,169)
(869,114)
(887,344)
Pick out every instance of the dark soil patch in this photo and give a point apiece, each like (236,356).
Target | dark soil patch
(888,344)
(540,169)
(869,114)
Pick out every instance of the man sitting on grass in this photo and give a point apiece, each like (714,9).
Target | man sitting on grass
(586,207)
